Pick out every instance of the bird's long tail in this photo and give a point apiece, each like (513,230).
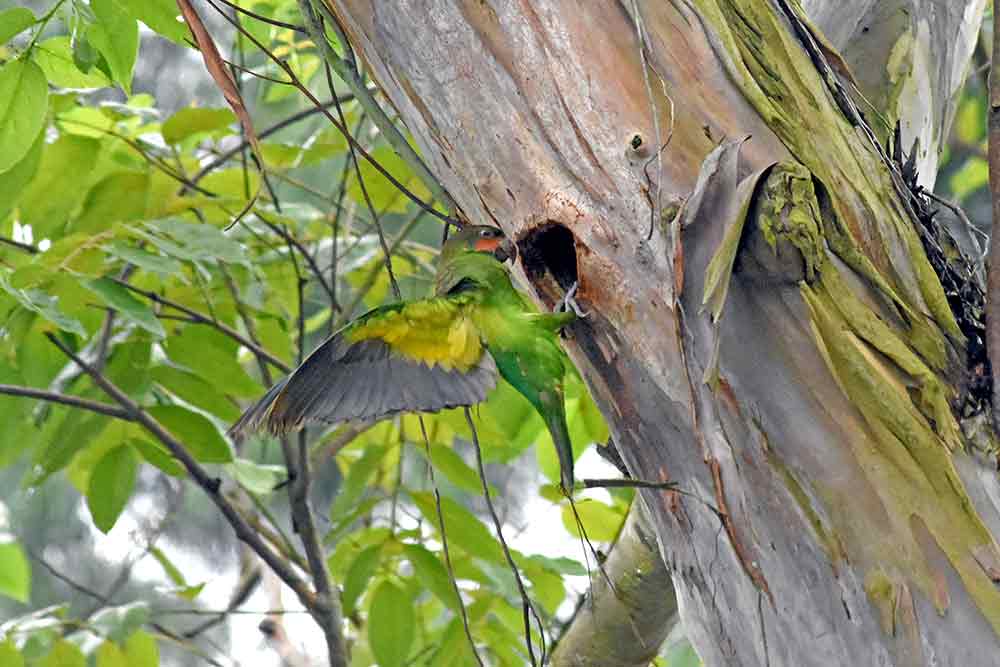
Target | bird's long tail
(555,419)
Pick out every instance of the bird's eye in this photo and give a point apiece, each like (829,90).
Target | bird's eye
(485,232)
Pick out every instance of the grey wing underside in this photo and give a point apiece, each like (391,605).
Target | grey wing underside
(342,381)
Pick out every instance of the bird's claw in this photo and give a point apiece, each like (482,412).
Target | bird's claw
(569,303)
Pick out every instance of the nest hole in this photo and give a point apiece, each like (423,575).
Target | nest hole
(549,248)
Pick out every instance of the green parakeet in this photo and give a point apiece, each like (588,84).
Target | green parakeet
(435,353)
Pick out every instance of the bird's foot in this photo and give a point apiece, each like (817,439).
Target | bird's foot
(569,303)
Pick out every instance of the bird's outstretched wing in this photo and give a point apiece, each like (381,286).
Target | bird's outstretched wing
(418,356)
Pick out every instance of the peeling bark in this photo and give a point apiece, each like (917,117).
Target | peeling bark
(789,358)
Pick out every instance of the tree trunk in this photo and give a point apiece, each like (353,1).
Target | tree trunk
(766,328)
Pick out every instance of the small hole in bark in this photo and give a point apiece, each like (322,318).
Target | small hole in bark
(636,142)
(549,248)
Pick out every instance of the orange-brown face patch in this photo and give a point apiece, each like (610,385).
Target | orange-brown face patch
(488,244)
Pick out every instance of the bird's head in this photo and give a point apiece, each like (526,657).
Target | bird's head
(483,239)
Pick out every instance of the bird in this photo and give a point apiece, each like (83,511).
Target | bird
(430,354)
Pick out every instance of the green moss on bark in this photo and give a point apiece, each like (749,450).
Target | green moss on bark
(893,374)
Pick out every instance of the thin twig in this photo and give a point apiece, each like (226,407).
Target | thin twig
(306,255)
(191,611)
(627,484)
(527,607)
(67,399)
(264,19)
(78,587)
(200,318)
(365,154)
(265,133)
(347,71)
(370,279)
(25,247)
(316,30)
(444,544)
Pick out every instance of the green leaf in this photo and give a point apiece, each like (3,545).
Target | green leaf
(128,306)
(352,544)
(187,122)
(116,36)
(109,655)
(187,592)
(9,655)
(129,366)
(461,525)
(358,575)
(119,196)
(85,56)
(64,654)
(682,654)
(163,266)
(546,586)
(14,181)
(560,565)
(15,572)
(970,120)
(173,573)
(257,478)
(141,650)
(195,390)
(391,625)
(356,481)
(430,571)
(601,521)
(280,156)
(213,355)
(970,177)
(45,305)
(55,57)
(384,195)
(14,21)
(111,486)
(76,253)
(158,455)
(160,16)
(454,468)
(51,196)
(197,241)
(195,432)
(24,101)
(344,522)
(118,623)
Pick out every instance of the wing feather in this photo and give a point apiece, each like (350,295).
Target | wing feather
(421,356)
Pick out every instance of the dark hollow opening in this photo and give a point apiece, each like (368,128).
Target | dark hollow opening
(549,247)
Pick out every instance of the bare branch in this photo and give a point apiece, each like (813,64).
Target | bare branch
(66,399)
